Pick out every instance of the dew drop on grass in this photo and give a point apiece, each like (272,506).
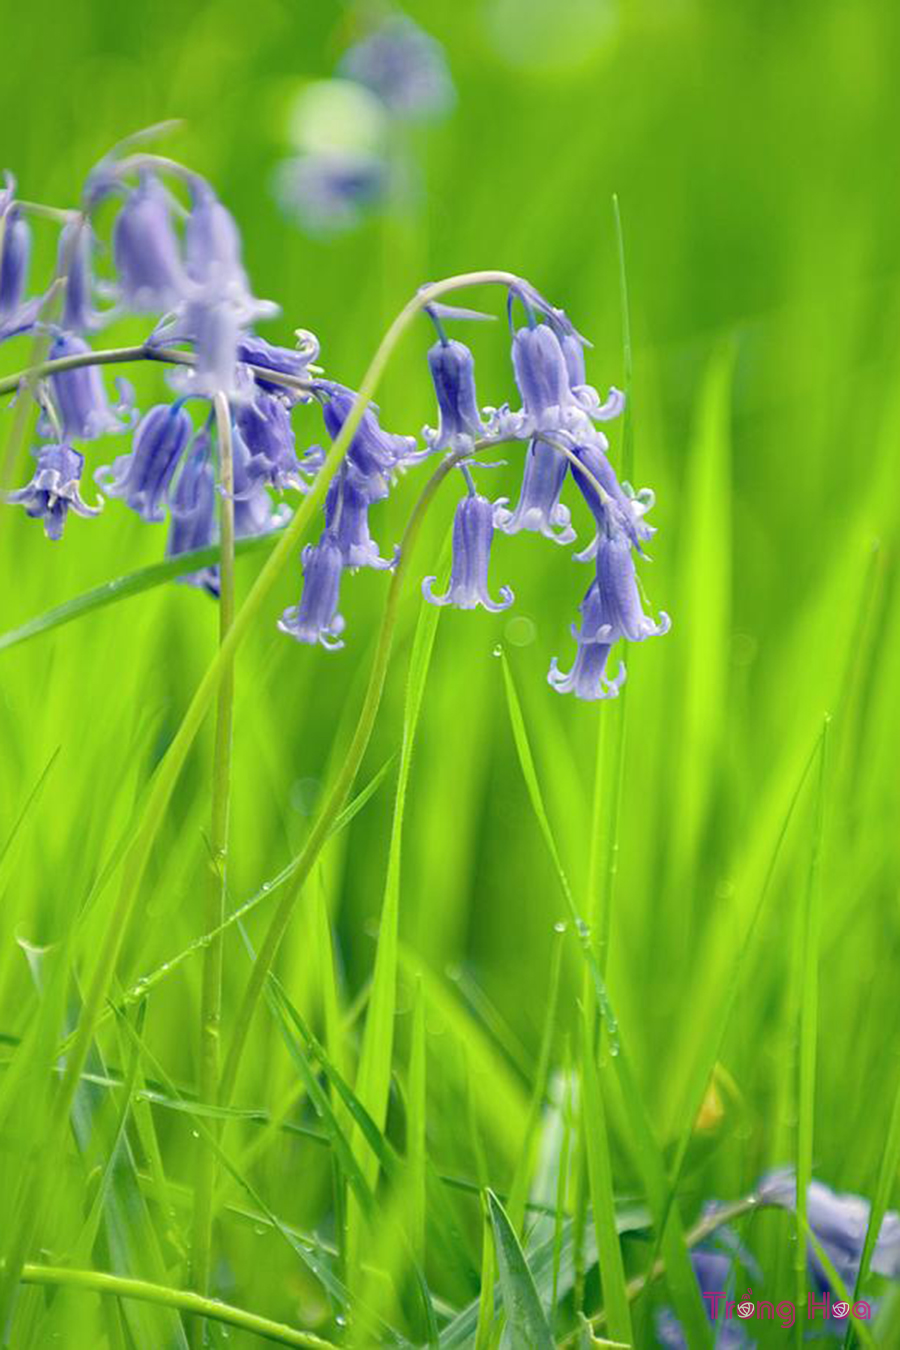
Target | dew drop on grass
(560,926)
(498,650)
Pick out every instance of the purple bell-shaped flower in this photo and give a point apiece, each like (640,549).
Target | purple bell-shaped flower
(315,619)
(142,477)
(54,489)
(473,533)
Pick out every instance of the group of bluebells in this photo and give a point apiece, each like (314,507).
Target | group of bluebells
(173,251)
(350,153)
(838,1224)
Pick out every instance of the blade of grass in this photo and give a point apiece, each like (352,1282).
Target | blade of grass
(374,1071)
(518,1191)
(527,1320)
(644,1146)
(131,583)
(417,1117)
(807,958)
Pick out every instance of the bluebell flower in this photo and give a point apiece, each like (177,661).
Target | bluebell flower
(539,507)
(631,507)
(142,477)
(372,450)
(75,262)
(452,368)
(347,517)
(146,250)
(212,239)
(473,533)
(610,610)
(265,426)
(15,255)
(542,376)
(194,521)
(404,66)
(315,619)
(79,395)
(254,511)
(328,192)
(839,1222)
(54,489)
(256,351)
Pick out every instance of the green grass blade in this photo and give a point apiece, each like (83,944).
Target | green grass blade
(518,1192)
(485,1326)
(600,1175)
(374,1071)
(124,587)
(807,958)
(527,1320)
(645,1148)
(417,1115)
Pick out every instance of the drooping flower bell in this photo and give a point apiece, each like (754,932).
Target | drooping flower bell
(54,489)
(473,533)
(347,518)
(542,377)
(212,240)
(146,250)
(256,351)
(79,395)
(142,477)
(194,521)
(631,506)
(372,450)
(715,1274)
(315,619)
(610,610)
(452,368)
(265,425)
(15,255)
(539,507)
(254,511)
(75,263)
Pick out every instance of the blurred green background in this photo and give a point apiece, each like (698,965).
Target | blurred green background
(754,150)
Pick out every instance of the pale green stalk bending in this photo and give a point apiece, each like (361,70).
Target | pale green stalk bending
(211,996)
(118,1286)
(340,788)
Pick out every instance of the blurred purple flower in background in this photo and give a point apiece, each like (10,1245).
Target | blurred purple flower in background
(347,133)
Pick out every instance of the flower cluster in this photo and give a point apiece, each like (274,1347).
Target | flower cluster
(176,252)
(347,132)
(837,1222)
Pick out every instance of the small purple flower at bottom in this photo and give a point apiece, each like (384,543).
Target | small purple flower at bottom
(193,506)
(142,477)
(315,619)
(54,488)
(539,507)
(715,1274)
(473,533)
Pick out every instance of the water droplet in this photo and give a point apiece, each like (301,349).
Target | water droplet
(520,631)
(560,926)
(498,650)
(267,885)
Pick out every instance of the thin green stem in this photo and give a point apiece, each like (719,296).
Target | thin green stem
(339,791)
(118,1286)
(211,995)
(169,769)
